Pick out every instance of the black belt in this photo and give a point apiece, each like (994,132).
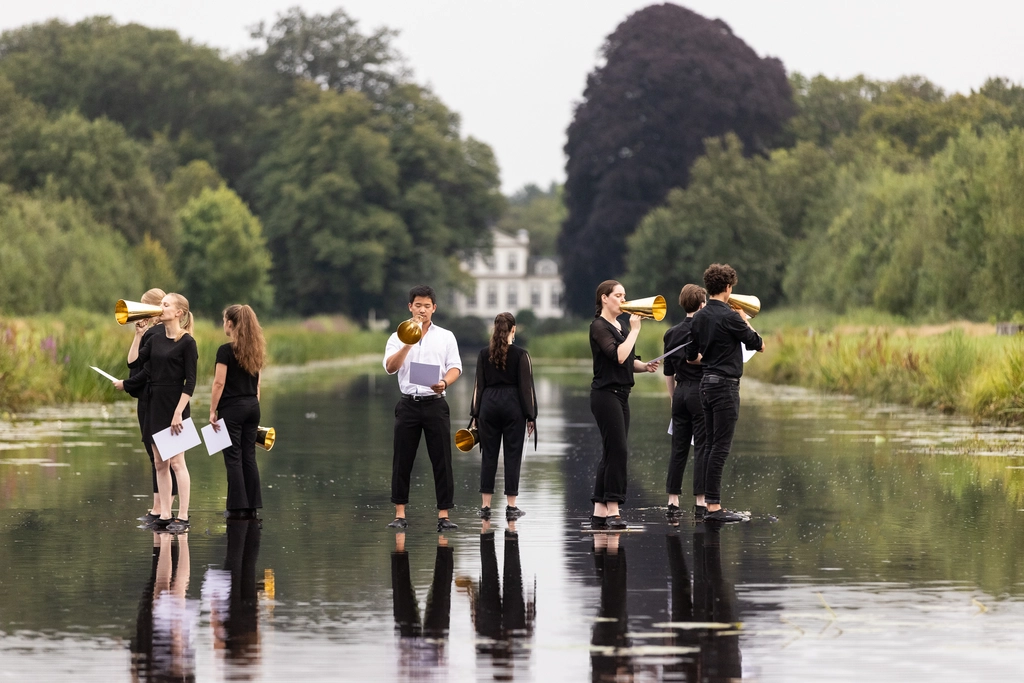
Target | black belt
(715,379)
(415,397)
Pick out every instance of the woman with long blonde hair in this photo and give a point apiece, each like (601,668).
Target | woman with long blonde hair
(169,378)
(236,399)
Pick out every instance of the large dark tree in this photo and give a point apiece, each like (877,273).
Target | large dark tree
(671,79)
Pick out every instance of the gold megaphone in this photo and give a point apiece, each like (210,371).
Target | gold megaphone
(465,439)
(265,437)
(410,331)
(130,311)
(750,305)
(651,307)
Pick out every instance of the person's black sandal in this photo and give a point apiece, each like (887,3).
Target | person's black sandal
(616,522)
(177,525)
(513,513)
(598,522)
(485,512)
(398,523)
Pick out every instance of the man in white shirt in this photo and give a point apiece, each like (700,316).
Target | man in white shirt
(423,409)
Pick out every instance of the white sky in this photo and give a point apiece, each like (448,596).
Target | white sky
(514,68)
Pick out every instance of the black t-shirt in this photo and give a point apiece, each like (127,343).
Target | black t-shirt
(518,372)
(676,363)
(605,339)
(238,383)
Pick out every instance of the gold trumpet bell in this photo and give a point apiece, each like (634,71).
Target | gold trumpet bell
(265,437)
(410,331)
(750,305)
(130,311)
(651,307)
(465,439)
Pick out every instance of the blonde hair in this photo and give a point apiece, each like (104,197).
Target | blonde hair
(187,322)
(248,343)
(153,297)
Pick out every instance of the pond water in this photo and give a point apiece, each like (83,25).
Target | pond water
(875,551)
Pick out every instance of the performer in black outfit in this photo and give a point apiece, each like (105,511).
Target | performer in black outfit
(718,331)
(611,629)
(504,406)
(169,375)
(236,398)
(144,330)
(614,365)
(501,612)
(683,380)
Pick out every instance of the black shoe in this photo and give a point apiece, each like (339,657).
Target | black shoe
(398,523)
(445,524)
(159,524)
(513,513)
(177,526)
(485,513)
(148,518)
(673,511)
(616,522)
(699,511)
(598,522)
(724,516)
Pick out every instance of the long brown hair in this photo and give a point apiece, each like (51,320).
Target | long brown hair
(604,289)
(248,343)
(503,324)
(187,321)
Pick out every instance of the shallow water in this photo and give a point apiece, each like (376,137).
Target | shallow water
(876,551)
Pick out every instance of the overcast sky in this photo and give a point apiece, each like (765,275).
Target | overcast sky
(514,68)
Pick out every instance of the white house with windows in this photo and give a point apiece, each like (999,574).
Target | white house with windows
(507,279)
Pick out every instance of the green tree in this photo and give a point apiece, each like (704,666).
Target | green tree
(188,182)
(828,109)
(539,212)
(223,257)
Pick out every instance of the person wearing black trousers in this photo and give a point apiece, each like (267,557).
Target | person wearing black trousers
(614,365)
(504,406)
(501,612)
(236,399)
(718,331)
(683,381)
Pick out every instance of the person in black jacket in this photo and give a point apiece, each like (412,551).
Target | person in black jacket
(169,375)
(683,381)
(614,364)
(504,408)
(235,397)
(718,330)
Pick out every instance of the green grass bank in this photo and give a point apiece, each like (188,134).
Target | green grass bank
(45,360)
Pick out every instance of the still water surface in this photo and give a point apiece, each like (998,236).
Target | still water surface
(876,551)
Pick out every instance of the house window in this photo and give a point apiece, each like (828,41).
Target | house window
(556,298)
(513,263)
(490,262)
(471,300)
(492,296)
(535,296)
(513,296)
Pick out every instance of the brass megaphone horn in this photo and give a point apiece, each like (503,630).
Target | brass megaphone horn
(465,439)
(265,437)
(651,307)
(750,305)
(130,311)
(410,331)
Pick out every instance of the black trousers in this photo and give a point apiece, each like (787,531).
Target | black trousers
(140,411)
(721,401)
(714,600)
(611,410)
(687,423)
(439,600)
(501,423)
(612,628)
(432,419)
(242,417)
(500,613)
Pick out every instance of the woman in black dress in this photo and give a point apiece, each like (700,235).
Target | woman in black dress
(169,377)
(614,365)
(504,407)
(236,399)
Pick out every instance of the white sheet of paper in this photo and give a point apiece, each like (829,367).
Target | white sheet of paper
(670,430)
(747,355)
(667,353)
(424,374)
(171,445)
(216,441)
(110,377)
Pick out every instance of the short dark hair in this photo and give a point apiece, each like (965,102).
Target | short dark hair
(692,297)
(422,290)
(718,276)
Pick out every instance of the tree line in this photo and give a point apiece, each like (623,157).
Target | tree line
(309,175)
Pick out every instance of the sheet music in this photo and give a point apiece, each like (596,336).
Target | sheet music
(170,445)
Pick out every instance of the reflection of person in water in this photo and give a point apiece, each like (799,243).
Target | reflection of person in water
(500,616)
(162,649)
(231,593)
(422,642)
(714,600)
(610,628)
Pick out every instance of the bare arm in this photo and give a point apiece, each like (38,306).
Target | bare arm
(395,360)
(446,381)
(220,376)
(626,347)
(133,350)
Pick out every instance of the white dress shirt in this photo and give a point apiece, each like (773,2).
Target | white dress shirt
(436,347)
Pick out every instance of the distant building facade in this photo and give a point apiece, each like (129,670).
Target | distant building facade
(507,279)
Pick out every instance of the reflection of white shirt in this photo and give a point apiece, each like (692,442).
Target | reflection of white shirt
(436,347)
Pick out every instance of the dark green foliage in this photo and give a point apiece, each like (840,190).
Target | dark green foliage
(671,79)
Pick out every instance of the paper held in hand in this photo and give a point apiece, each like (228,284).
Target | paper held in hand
(424,374)
(108,376)
(216,441)
(170,445)
(667,353)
